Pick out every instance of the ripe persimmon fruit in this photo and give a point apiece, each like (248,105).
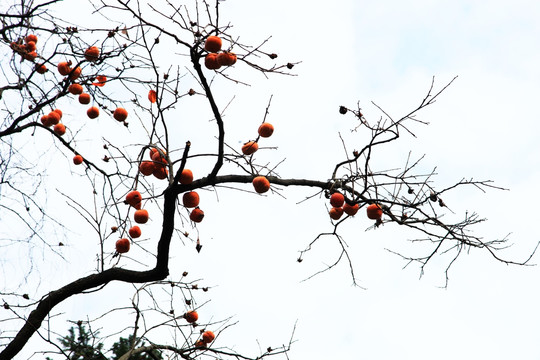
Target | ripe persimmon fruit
(45,120)
(335,213)
(337,199)
(250,147)
(196,215)
(64,67)
(261,184)
(75,89)
(30,46)
(266,130)
(54,117)
(160,172)
(191,316)
(134,232)
(208,336)
(77,159)
(84,98)
(92,53)
(152,96)
(92,112)
(146,167)
(350,210)
(133,197)
(122,245)
(74,74)
(120,114)
(41,69)
(226,58)
(141,216)
(190,199)
(211,61)
(374,211)
(31,37)
(186,177)
(212,44)
(59,129)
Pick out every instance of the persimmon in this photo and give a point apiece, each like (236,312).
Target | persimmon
(211,61)
(337,199)
(190,199)
(92,112)
(134,232)
(266,130)
(155,154)
(186,177)
(101,80)
(31,37)
(212,44)
(191,316)
(122,245)
(250,147)
(120,114)
(261,184)
(208,336)
(374,211)
(31,56)
(196,215)
(350,210)
(133,197)
(77,159)
(92,53)
(160,172)
(30,46)
(146,168)
(75,73)
(152,96)
(141,216)
(335,213)
(45,120)
(84,98)
(54,117)
(59,112)
(226,58)
(75,89)
(41,69)
(59,129)
(64,67)
(200,344)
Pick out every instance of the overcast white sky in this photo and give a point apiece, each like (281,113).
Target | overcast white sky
(484,126)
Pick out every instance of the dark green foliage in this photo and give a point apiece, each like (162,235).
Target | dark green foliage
(84,346)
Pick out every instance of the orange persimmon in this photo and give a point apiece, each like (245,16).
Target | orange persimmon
(135,231)
(250,147)
(196,215)
(337,199)
(122,245)
(120,114)
(266,130)
(141,216)
(92,53)
(77,159)
(92,112)
(261,184)
(212,44)
(84,98)
(191,199)
(186,177)
(374,211)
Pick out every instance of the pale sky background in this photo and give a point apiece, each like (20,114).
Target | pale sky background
(484,126)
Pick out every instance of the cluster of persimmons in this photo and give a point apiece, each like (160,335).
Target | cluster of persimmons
(340,206)
(207,336)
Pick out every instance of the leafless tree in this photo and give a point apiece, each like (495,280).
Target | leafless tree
(128,73)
